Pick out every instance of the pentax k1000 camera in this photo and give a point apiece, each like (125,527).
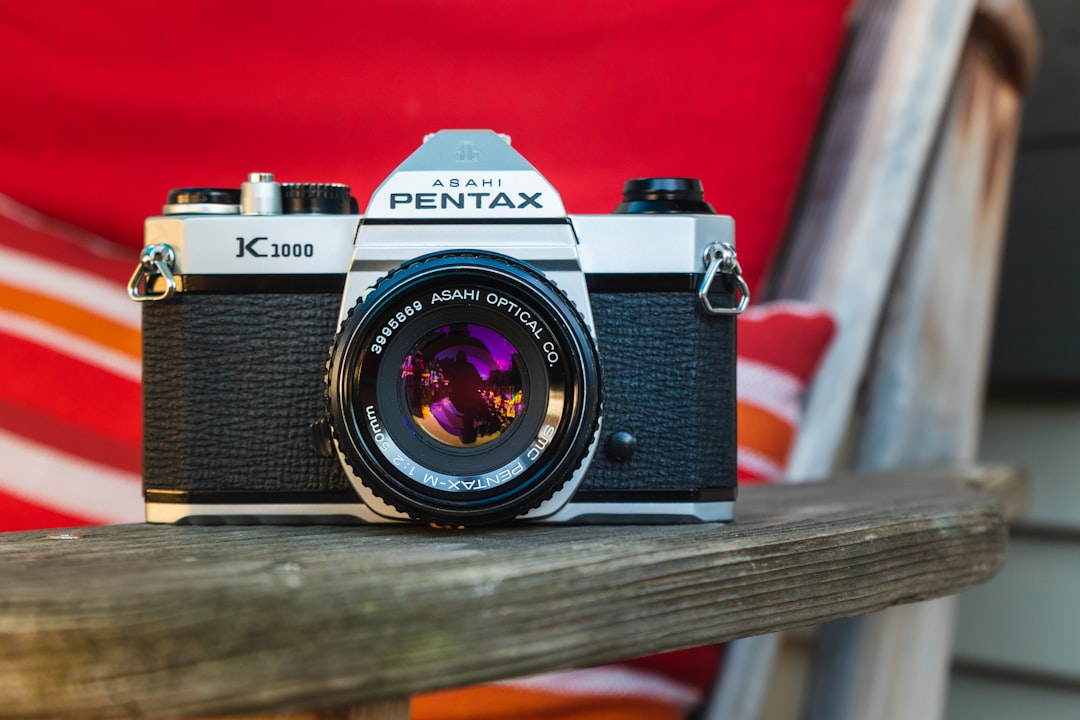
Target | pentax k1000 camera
(463,353)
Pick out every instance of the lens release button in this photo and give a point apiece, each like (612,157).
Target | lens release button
(321,442)
(621,446)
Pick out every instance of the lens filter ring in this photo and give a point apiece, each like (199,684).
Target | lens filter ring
(464,389)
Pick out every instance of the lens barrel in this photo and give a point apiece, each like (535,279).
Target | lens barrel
(464,389)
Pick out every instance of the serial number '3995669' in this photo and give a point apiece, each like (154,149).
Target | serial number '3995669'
(261,247)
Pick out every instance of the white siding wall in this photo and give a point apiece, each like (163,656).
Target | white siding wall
(1018,636)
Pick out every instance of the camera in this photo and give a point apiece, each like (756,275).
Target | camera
(464,353)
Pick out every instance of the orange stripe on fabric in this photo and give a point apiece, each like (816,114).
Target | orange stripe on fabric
(496,702)
(765,433)
(72,318)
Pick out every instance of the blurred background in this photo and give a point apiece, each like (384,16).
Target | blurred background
(1018,637)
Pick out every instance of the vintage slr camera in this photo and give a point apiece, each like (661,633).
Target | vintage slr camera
(464,353)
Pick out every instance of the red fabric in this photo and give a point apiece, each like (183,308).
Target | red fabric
(695,666)
(789,337)
(19,514)
(502,702)
(109,104)
(70,393)
(780,346)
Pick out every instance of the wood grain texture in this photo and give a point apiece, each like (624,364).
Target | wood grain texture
(925,393)
(877,141)
(162,621)
(1009,27)
(862,195)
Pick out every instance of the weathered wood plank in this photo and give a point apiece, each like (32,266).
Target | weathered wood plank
(926,391)
(929,380)
(940,369)
(1011,35)
(862,195)
(159,621)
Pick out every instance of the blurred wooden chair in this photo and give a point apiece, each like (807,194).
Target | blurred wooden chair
(900,237)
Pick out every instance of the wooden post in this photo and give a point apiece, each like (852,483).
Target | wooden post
(925,398)
(880,144)
(861,195)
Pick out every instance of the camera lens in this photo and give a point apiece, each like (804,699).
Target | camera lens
(464,389)
(463,384)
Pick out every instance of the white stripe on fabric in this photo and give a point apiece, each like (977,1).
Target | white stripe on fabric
(68,343)
(777,391)
(757,313)
(69,284)
(53,479)
(612,681)
(39,221)
(758,464)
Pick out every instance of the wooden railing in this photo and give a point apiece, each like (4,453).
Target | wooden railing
(166,621)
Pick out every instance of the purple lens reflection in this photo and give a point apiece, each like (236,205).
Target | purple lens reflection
(463,384)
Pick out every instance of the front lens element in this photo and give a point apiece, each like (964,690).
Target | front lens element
(463,385)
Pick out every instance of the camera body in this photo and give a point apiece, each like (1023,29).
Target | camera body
(464,353)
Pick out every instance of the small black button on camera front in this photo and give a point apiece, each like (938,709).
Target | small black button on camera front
(315,199)
(321,441)
(621,446)
(664,195)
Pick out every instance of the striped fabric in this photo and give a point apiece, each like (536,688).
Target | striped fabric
(70,435)
(69,376)
(780,345)
(615,691)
